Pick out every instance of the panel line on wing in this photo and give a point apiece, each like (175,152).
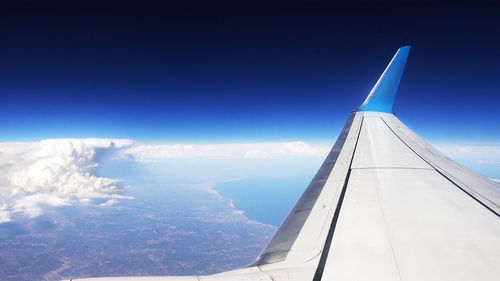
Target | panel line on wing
(384,216)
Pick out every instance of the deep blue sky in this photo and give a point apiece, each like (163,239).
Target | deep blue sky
(220,71)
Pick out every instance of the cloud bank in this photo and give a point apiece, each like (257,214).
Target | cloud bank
(269,150)
(61,172)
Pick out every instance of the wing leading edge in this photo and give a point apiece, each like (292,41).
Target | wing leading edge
(384,205)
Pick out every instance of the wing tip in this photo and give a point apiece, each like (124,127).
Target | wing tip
(383,94)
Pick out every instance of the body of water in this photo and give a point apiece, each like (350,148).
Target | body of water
(265,200)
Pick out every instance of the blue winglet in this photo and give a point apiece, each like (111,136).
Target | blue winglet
(381,97)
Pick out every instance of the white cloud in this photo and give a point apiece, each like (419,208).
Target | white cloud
(108,203)
(53,173)
(145,153)
(4,215)
(31,205)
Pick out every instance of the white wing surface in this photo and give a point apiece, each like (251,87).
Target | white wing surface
(384,205)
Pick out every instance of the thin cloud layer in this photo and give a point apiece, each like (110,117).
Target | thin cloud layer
(480,154)
(146,153)
(483,158)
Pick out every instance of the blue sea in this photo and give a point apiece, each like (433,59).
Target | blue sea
(266,200)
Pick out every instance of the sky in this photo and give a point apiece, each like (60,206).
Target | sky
(243,71)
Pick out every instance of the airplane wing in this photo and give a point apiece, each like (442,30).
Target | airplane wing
(385,205)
